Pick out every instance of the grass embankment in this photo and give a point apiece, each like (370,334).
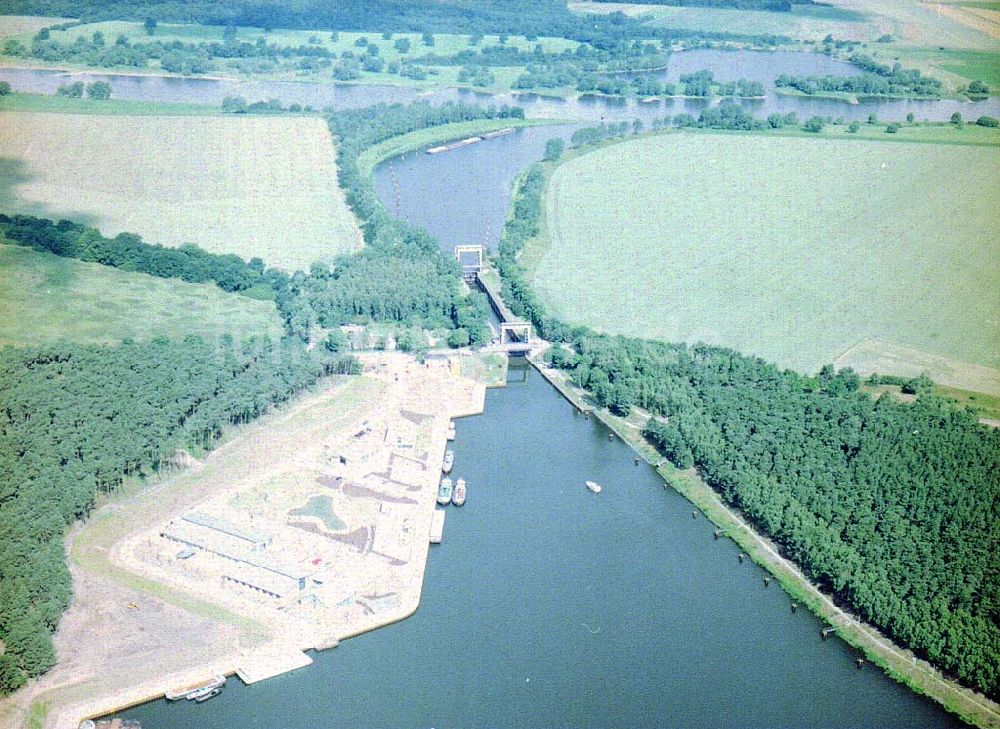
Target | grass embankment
(421,138)
(789,247)
(249,185)
(45,299)
(124,107)
(897,662)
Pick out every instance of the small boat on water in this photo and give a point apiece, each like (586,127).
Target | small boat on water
(449,461)
(210,695)
(444,492)
(195,690)
(594,486)
(451,430)
(458,497)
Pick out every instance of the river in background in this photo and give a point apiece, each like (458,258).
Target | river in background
(762,66)
(547,605)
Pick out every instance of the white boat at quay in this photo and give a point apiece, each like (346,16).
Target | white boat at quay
(444,492)
(458,495)
(594,486)
(451,430)
(449,461)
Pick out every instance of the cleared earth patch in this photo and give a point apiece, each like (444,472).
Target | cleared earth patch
(791,248)
(254,186)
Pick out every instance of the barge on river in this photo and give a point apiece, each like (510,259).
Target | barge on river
(469,140)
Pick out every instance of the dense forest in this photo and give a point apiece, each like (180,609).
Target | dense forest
(128,252)
(892,507)
(401,274)
(75,421)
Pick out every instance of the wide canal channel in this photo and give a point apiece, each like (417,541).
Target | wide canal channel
(548,605)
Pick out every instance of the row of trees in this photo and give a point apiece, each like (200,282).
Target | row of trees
(893,507)
(100,90)
(401,274)
(76,421)
(878,79)
(239,105)
(128,252)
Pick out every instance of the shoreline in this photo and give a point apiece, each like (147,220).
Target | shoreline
(897,662)
(115,572)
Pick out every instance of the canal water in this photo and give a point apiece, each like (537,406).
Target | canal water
(547,605)
(470,197)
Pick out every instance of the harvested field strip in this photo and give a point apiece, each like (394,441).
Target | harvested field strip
(876,356)
(254,186)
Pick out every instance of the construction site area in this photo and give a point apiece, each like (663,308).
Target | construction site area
(301,532)
(331,540)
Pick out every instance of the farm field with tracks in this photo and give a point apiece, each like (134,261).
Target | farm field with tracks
(791,248)
(253,186)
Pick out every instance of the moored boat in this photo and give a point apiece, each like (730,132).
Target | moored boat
(594,486)
(210,695)
(451,430)
(190,692)
(449,461)
(444,492)
(458,497)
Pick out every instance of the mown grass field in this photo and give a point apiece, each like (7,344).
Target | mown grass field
(20,26)
(45,298)
(254,186)
(791,248)
(803,23)
(130,107)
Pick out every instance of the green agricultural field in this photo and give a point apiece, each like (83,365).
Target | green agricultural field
(25,26)
(926,24)
(45,298)
(254,186)
(445,44)
(792,248)
(18,101)
(803,23)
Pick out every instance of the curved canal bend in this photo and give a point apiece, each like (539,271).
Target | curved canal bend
(547,605)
